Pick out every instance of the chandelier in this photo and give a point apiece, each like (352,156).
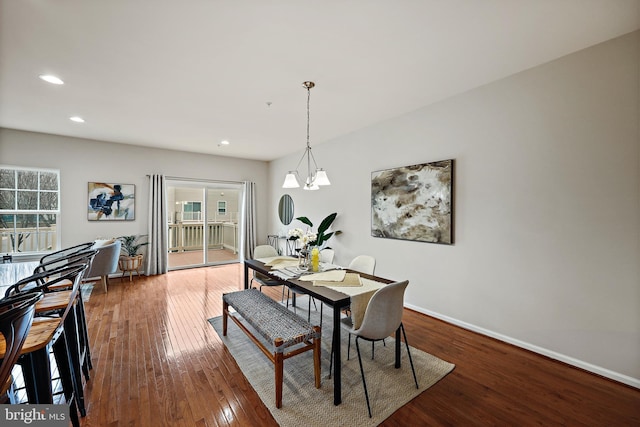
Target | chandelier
(316,176)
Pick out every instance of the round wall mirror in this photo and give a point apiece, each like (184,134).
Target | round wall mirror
(285,209)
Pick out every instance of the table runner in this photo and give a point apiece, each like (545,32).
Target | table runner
(360,295)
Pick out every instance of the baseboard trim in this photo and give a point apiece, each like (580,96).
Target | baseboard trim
(607,373)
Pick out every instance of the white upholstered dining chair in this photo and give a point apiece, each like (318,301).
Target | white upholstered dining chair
(382,318)
(265,251)
(364,264)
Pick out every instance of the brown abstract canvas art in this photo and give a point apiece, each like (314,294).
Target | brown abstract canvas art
(414,202)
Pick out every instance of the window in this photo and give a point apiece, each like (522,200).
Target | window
(192,211)
(29,209)
(222,207)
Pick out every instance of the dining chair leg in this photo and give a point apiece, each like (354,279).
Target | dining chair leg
(409,353)
(364,382)
(73,348)
(61,351)
(294,305)
(85,351)
(36,370)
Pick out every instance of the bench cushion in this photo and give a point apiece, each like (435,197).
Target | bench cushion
(270,319)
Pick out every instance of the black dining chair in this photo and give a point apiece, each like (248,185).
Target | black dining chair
(16,317)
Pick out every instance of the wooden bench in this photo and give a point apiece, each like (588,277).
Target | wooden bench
(286,333)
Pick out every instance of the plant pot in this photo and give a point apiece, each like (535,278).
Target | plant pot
(129,264)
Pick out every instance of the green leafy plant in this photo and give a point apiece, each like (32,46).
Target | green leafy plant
(132,244)
(322,235)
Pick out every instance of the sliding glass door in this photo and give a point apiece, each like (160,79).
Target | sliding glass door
(203,223)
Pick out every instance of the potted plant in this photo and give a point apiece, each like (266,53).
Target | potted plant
(131,259)
(321,236)
(310,239)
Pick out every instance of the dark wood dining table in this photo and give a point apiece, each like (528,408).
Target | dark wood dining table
(338,301)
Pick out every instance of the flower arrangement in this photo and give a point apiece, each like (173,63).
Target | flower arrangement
(305,237)
(309,238)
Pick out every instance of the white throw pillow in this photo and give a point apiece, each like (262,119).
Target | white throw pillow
(102,242)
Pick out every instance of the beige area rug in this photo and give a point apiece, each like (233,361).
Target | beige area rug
(304,405)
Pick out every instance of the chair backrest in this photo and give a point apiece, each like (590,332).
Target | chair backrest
(42,280)
(327,255)
(105,261)
(264,251)
(62,253)
(84,256)
(384,312)
(364,264)
(16,316)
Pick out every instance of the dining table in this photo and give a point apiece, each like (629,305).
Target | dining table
(12,272)
(334,296)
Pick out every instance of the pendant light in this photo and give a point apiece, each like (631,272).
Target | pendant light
(315,177)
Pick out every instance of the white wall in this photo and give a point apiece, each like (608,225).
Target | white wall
(81,161)
(547,207)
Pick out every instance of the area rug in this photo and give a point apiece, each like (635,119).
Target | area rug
(85,290)
(304,405)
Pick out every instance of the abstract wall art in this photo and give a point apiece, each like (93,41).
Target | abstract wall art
(413,203)
(111,202)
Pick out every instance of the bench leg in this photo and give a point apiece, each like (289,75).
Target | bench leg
(279,372)
(316,357)
(225,311)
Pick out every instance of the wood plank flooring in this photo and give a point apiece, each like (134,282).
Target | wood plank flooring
(158,362)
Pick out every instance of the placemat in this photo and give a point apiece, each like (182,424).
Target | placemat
(350,280)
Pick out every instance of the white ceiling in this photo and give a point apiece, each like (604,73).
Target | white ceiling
(187,74)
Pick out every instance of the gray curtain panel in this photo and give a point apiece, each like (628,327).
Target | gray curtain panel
(157,257)
(249,219)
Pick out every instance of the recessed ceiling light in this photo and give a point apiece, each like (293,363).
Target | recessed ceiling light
(76,119)
(225,142)
(51,79)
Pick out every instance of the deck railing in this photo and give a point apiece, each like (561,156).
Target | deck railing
(189,236)
(184,236)
(30,239)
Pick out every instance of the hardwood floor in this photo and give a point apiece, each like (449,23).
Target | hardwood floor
(158,362)
(186,258)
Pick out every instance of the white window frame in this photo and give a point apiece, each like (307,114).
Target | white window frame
(221,207)
(39,240)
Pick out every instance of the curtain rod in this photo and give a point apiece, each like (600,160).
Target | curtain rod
(177,178)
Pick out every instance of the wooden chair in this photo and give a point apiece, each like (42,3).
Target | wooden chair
(61,331)
(16,316)
(63,253)
(81,258)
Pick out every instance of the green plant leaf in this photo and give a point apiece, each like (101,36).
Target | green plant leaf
(305,220)
(130,245)
(326,223)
